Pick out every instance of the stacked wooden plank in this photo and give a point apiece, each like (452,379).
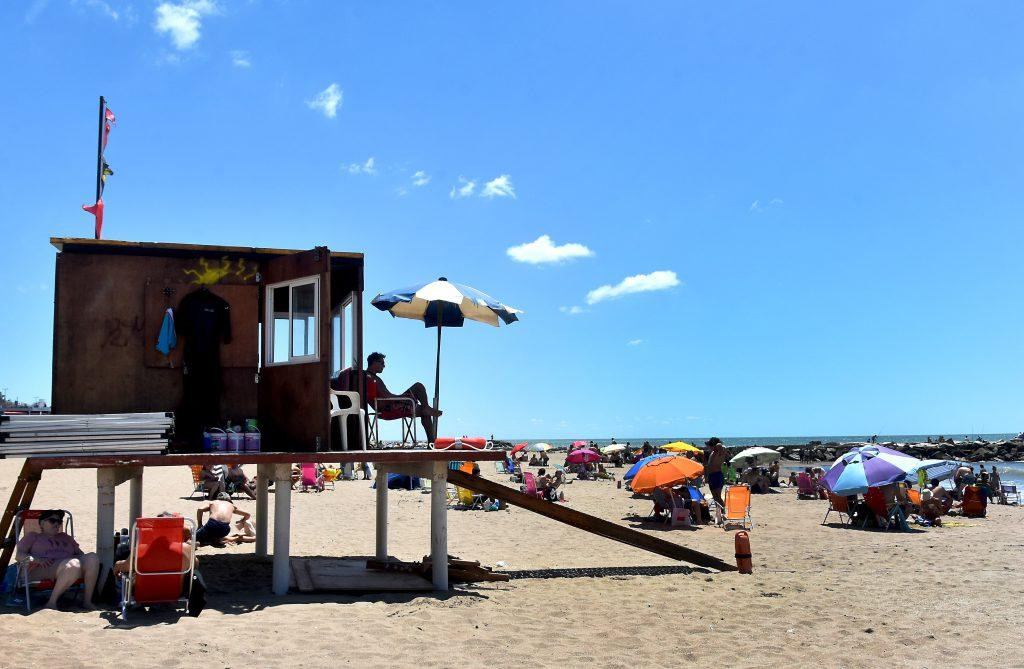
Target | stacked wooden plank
(85,434)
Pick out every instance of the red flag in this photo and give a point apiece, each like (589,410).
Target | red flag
(97,211)
(109,121)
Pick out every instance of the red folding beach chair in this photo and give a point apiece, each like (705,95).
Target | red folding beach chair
(25,522)
(530,486)
(838,504)
(161,564)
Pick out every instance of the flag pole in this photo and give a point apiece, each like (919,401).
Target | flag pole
(99,157)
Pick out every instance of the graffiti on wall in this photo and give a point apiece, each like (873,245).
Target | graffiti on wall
(207,273)
(118,332)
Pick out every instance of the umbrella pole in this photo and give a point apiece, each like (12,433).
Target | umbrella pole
(437,369)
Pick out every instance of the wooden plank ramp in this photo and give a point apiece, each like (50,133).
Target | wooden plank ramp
(586,522)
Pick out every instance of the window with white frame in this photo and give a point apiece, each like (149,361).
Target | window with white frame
(293,311)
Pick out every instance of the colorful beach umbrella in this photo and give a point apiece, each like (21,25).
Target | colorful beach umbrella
(665,472)
(868,467)
(579,443)
(444,303)
(934,469)
(517,448)
(581,456)
(680,447)
(755,456)
(641,462)
(539,447)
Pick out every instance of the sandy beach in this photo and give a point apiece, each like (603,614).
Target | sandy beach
(819,595)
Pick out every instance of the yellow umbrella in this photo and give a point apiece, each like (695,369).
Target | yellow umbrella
(679,447)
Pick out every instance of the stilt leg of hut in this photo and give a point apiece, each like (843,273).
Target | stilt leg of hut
(135,496)
(439,525)
(262,479)
(282,526)
(106,481)
(21,498)
(382,514)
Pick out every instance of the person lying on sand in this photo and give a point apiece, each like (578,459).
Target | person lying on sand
(236,476)
(218,527)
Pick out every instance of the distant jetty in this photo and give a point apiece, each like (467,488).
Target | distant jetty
(1010,450)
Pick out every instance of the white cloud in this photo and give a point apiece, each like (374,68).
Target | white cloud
(464,189)
(543,250)
(758,206)
(499,187)
(635,342)
(240,59)
(420,178)
(182,21)
(327,101)
(35,8)
(100,6)
(640,283)
(369,167)
(572,311)
(401,191)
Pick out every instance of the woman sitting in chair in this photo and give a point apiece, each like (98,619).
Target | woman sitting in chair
(56,556)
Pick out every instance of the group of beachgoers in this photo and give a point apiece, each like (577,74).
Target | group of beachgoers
(50,553)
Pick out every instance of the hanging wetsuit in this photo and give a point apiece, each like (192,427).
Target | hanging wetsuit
(204,320)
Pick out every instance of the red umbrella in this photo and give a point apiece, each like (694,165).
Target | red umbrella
(583,455)
(577,444)
(517,448)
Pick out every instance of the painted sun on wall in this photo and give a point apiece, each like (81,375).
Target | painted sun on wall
(207,273)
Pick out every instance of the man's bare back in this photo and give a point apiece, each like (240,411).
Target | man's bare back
(221,511)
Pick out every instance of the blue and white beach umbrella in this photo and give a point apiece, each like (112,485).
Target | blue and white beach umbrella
(868,467)
(934,469)
(444,303)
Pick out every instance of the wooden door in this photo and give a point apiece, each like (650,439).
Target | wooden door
(296,351)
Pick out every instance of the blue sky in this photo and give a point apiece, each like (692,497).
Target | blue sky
(823,203)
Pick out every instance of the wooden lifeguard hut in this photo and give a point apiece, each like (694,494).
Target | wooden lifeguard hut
(294,318)
(285,321)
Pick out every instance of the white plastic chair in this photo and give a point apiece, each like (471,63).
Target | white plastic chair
(354,409)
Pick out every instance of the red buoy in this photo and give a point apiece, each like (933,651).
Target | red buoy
(744,558)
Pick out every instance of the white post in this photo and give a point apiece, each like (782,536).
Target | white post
(262,507)
(439,525)
(135,497)
(382,513)
(282,526)
(105,481)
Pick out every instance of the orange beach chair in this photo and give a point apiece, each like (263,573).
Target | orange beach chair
(159,571)
(838,504)
(737,507)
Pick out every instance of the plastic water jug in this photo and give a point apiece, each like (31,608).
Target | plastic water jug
(235,442)
(252,440)
(218,440)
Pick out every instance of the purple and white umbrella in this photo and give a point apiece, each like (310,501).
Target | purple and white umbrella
(868,467)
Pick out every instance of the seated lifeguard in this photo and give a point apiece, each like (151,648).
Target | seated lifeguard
(376,390)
